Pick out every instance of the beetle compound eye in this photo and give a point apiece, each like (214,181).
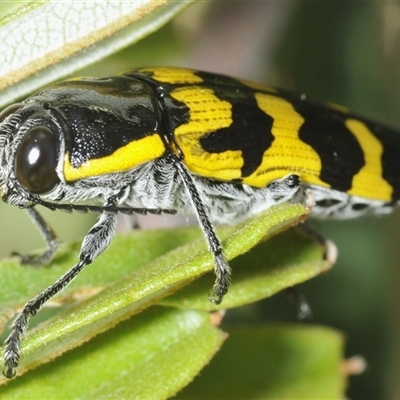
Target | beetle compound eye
(36,161)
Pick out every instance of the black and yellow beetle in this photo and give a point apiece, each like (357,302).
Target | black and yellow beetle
(177,140)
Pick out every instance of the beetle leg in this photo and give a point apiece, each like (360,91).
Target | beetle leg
(48,235)
(94,243)
(330,250)
(304,311)
(221,268)
(330,255)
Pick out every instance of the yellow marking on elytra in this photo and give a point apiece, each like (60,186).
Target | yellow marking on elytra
(287,153)
(208,113)
(368,182)
(123,159)
(173,75)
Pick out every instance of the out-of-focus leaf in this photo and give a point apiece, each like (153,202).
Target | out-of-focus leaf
(274,362)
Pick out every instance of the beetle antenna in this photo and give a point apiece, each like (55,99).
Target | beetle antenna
(109,208)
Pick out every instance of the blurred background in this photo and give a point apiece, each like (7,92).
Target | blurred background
(345,52)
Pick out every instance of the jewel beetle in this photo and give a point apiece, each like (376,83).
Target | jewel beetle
(178,140)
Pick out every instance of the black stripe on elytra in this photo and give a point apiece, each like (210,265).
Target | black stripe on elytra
(324,130)
(250,131)
(390,139)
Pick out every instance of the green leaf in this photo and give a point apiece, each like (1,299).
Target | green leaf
(131,293)
(282,261)
(44,41)
(132,361)
(274,362)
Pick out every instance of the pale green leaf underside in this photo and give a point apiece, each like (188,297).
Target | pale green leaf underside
(45,41)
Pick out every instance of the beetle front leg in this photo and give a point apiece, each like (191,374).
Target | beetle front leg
(48,235)
(95,242)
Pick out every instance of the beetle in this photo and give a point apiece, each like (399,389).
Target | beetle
(179,140)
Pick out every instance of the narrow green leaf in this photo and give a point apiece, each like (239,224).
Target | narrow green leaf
(282,261)
(151,357)
(49,40)
(274,362)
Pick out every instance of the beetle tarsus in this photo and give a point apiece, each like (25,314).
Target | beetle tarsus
(222,281)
